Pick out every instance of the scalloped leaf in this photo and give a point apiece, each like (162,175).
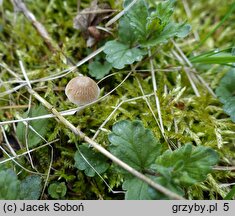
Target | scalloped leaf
(226,93)
(57,190)
(136,189)
(226,88)
(30,188)
(119,54)
(9,185)
(98,70)
(85,157)
(186,165)
(229,108)
(134,144)
(39,125)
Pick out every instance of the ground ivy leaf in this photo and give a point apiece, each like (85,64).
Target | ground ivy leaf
(134,144)
(188,164)
(98,70)
(95,159)
(9,185)
(30,188)
(39,125)
(119,54)
(226,88)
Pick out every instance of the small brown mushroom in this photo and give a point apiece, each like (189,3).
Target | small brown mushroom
(82,90)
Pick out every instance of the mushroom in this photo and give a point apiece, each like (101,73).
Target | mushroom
(82,90)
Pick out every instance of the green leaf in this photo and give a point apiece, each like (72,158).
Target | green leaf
(85,157)
(226,89)
(134,144)
(9,185)
(229,108)
(164,11)
(125,31)
(226,93)
(119,54)
(137,18)
(186,165)
(153,28)
(57,190)
(231,194)
(171,30)
(169,184)
(136,189)
(30,188)
(39,125)
(98,70)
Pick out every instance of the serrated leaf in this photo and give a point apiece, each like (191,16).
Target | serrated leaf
(171,30)
(226,88)
(188,164)
(136,189)
(9,185)
(137,22)
(98,70)
(164,11)
(85,157)
(39,125)
(226,93)
(229,108)
(119,54)
(125,32)
(134,144)
(30,188)
(57,190)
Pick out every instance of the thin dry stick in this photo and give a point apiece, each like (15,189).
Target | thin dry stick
(115,109)
(48,172)
(5,152)
(106,183)
(155,92)
(25,153)
(191,66)
(150,108)
(66,112)
(119,15)
(191,82)
(7,142)
(188,74)
(20,6)
(189,15)
(125,166)
(29,107)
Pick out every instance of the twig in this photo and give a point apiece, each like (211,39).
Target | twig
(155,92)
(7,142)
(20,6)
(25,153)
(5,152)
(119,15)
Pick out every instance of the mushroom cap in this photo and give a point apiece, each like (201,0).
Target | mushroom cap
(82,90)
